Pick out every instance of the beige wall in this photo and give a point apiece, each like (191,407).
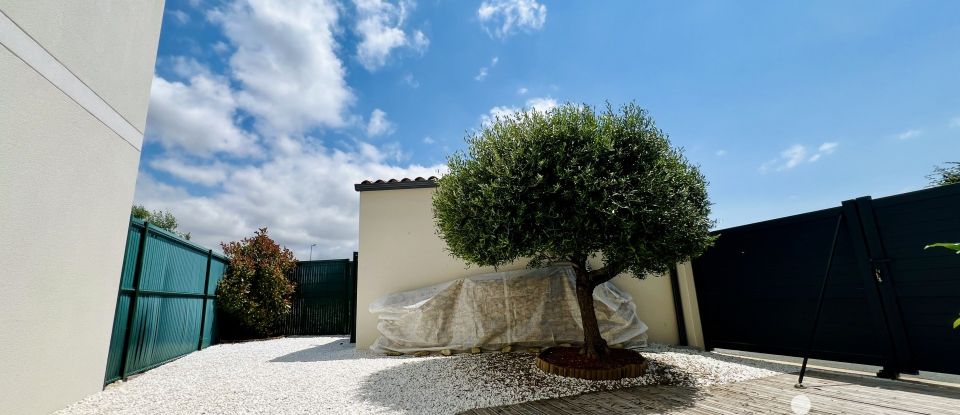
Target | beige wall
(400,250)
(75,79)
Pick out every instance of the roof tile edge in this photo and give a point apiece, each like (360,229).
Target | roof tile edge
(394,184)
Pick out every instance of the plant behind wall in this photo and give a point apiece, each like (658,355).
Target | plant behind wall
(569,184)
(255,290)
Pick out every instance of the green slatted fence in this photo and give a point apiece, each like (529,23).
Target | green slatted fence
(165,307)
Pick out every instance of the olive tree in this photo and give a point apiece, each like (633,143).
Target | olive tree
(571,184)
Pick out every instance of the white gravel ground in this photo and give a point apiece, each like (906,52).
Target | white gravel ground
(326,375)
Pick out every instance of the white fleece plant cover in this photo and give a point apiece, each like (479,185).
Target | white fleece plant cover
(525,308)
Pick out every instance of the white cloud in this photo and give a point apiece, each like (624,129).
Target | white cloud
(220,47)
(286,63)
(207,174)
(380,27)
(482,75)
(303,197)
(285,77)
(379,124)
(796,155)
(501,18)
(428,140)
(179,15)
(541,104)
(197,116)
(420,42)
(411,81)
(484,70)
(955,122)
(828,148)
(793,156)
(522,91)
(906,135)
(721,153)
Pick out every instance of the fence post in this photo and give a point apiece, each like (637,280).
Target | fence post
(203,308)
(353,302)
(135,296)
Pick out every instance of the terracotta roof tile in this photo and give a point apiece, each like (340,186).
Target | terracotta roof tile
(391,184)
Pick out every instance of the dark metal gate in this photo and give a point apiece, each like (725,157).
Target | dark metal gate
(325,298)
(888,302)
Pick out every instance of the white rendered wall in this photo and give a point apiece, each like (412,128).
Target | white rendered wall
(400,250)
(74,86)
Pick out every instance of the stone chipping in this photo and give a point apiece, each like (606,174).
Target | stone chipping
(326,375)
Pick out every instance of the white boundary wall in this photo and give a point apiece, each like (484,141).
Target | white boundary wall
(400,250)
(74,88)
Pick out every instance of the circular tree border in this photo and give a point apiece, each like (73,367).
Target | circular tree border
(625,371)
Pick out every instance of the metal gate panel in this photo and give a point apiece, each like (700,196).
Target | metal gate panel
(888,302)
(321,303)
(926,283)
(758,288)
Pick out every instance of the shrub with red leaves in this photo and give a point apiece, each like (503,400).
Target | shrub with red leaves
(256,288)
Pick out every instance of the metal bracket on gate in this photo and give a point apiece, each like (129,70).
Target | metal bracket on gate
(876,268)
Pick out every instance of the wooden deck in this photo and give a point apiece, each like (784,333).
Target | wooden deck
(828,393)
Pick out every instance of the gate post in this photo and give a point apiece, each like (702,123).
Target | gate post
(353,299)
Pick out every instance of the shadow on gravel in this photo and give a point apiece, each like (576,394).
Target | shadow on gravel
(753,363)
(337,350)
(464,382)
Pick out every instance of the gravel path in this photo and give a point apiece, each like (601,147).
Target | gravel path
(310,375)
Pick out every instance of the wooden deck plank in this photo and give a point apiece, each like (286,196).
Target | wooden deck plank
(881,393)
(829,393)
(781,397)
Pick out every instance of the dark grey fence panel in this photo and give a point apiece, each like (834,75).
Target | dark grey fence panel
(323,301)
(888,302)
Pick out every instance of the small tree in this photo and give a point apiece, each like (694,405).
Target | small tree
(946,174)
(567,185)
(256,288)
(162,218)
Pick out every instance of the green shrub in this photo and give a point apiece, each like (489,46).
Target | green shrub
(255,289)
(161,218)
(568,184)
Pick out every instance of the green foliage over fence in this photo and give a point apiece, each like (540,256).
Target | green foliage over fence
(165,306)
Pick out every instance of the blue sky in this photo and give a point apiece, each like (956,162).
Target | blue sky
(265,113)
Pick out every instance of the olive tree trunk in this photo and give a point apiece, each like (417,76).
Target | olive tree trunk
(594,346)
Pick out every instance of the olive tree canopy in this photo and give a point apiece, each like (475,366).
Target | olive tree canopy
(570,183)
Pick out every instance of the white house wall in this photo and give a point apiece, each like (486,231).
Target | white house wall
(74,87)
(400,250)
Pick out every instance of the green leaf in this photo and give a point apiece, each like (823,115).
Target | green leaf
(954,246)
(956,324)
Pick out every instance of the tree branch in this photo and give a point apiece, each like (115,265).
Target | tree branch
(602,275)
